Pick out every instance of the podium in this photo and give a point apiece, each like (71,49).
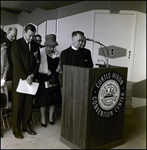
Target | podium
(93,106)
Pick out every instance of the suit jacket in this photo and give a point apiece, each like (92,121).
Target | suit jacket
(82,58)
(24,61)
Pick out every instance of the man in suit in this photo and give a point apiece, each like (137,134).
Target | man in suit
(26,60)
(76,55)
(10,37)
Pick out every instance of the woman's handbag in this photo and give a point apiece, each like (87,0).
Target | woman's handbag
(54,95)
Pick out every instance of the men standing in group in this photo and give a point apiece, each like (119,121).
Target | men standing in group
(10,36)
(76,55)
(26,60)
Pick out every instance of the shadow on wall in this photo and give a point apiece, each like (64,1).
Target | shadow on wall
(139,89)
(114,51)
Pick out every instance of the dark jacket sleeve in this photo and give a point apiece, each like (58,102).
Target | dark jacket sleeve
(36,60)
(63,59)
(18,66)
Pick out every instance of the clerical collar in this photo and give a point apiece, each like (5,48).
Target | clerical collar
(74,48)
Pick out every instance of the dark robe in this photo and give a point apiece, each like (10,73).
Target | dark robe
(80,57)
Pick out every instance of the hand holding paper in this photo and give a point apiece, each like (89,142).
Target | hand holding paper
(30,79)
(24,87)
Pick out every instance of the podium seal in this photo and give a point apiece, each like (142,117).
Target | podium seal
(108,94)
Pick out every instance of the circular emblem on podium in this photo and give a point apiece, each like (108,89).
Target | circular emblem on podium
(108,94)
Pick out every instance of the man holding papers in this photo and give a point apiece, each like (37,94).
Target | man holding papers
(26,60)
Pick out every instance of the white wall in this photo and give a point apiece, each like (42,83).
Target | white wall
(42,31)
(139,64)
(66,25)
(51,27)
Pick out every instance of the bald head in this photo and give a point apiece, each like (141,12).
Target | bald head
(12,33)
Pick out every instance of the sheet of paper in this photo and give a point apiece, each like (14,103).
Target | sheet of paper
(24,87)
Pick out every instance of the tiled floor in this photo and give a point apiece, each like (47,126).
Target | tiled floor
(49,138)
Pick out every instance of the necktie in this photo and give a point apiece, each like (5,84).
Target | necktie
(29,46)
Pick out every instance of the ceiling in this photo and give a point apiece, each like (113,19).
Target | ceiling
(29,6)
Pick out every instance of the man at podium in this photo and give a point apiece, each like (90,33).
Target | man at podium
(76,54)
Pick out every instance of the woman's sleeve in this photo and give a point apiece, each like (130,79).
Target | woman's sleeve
(59,65)
(6,67)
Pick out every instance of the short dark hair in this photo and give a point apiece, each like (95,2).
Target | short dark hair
(74,33)
(38,35)
(30,27)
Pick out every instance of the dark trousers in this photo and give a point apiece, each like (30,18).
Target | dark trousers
(21,112)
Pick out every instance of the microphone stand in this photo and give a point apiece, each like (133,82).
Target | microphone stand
(103,52)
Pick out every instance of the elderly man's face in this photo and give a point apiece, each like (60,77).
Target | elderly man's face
(12,35)
(77,41)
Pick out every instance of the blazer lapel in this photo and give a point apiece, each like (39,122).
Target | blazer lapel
(26,46)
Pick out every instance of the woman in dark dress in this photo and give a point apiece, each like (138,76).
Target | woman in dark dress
(48,79)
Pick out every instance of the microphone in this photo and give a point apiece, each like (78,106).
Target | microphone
(88,39)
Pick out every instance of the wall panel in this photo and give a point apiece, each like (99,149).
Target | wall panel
(139,66)
(82,21)
(42,31)
(8,18)
(51,27)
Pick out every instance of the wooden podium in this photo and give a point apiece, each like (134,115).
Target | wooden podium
(93,106)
